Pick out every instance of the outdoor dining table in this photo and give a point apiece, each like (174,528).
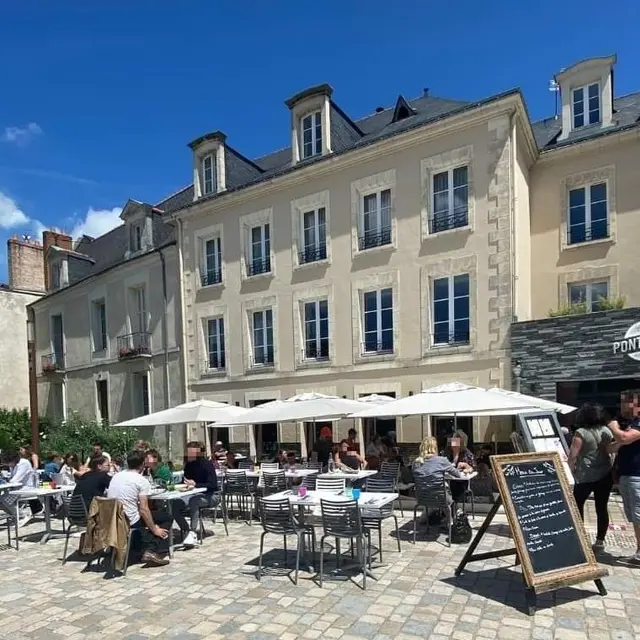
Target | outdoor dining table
(10,486)
(360,474)
(466,477)
(169,496)
(34,493)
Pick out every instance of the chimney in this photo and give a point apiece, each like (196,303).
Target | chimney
(53,239)
(25,264)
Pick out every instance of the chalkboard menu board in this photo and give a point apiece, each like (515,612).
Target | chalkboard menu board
(550,538)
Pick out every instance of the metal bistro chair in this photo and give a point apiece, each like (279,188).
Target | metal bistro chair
(432,492)
(309,482)
(341,519)
(213,512)
(76,514)
(277,518)
(372,517)
(313,465)
(274,482)
(247,465)
(391,471)
(237,485)
(330,485)
(269,466)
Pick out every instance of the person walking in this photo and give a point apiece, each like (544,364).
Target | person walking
(590,462)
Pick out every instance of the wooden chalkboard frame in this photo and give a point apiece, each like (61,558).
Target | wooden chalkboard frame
(541,582)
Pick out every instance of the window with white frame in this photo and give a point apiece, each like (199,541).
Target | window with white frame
(377,320)
(586,105)
(316,330)
(141,393)
(311,134)
(589,294)
(99,324)
(56,274)
(259,259)
(262,337)
(135,237)
(376,220)
(450,200)
(208,174)
(212,261)
(215,344)
(451,310)
(314,236)
(588,214)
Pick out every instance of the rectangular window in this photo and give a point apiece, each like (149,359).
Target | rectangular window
(58,404)
(56,275)
(314,236)
(135,238)
(450,200)
(141,393)
(451,310)
(588,214)
(376,220)
(215,342)
(262,331)
(586,105)
(212,271)
(312,135)
(208,175)
(99,327)
(378,321)
(589,294)
(57,341)
(316,330)
(259,250)
(138,315)
(102,397)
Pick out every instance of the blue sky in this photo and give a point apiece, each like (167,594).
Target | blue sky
(99,99)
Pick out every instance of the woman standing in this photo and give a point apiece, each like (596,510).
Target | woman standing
(590,462)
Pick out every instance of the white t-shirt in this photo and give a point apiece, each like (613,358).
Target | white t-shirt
(104,453)
(23,472)
(128,486)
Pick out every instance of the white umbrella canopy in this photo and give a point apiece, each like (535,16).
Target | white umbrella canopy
(376,398)
(197,411)
(538,404)
(449,399)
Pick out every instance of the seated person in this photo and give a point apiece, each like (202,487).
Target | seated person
(199,472)
(24,474)
(159,472)
(231,460)
(132,490)
(348,460)
(219,453)
(461,458)
(51,467)
(429,468)
(95,482)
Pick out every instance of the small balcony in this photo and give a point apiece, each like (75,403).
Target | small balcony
(258,266)
(211,276)
(448,221)
(316,353)
(372,239)
(134,345)
(312,254)
(214,364)
(451,339)
(262,357)
(597,230)
(52,362)
(376,348)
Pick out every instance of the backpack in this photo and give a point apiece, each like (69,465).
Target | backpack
(461,529)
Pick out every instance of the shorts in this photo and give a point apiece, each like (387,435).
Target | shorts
(630,492)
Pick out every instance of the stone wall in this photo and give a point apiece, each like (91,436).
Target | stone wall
(572,348)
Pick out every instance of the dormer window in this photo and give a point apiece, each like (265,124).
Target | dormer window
(208,174)
(136,238)
(586,105)
(311,126)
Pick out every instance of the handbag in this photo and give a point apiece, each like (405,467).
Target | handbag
(461,529)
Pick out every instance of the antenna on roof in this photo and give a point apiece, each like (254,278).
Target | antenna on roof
(555,87)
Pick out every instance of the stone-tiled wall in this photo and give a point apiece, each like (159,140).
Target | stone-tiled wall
(572,348)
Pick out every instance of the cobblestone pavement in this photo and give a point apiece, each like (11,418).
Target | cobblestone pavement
(211,592)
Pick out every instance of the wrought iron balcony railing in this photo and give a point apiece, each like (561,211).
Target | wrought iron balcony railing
(135,344)
(447,221)
(312,254)
(262,357)
(257,266)
(52,362)
(596,230)
(453,338)
(371,239)
(316,353)
(211,276)
(371,348)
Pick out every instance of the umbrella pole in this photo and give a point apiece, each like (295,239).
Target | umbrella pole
(422,426)
(207,440)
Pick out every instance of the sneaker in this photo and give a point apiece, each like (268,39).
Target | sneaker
(598,546)
(190,540)
(153,559)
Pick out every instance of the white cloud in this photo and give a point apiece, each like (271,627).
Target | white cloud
(21,135)
(10,214)
(97,222)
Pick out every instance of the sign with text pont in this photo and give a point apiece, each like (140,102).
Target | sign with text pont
(549,535)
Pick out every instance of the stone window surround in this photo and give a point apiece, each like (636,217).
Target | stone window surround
(101,376)
(374,282)
(99,294)
(138,281)
(299,207)
(364,187)
(248,307)
(300,297)
(201,237)
(247,222)
(606,174)
(588,274)
(462,156)
(441,268)
(209,312)
(207,148)
(57,311)
(321,103)
(139,218)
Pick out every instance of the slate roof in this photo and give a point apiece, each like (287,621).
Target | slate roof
(626,114)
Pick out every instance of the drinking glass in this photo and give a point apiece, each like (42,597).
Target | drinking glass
(356,494)
(302,491)
(348,492)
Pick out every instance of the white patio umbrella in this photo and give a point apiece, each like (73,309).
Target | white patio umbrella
(197,411)
(304,407)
